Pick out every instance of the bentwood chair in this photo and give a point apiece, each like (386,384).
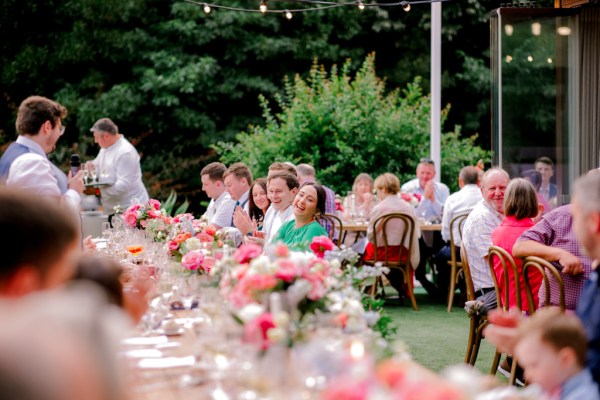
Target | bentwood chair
(545,268)
(477,322)
(455,264)
(509,268)
(337,228)
(403,264)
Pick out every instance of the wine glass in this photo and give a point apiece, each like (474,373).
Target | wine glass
(188,290)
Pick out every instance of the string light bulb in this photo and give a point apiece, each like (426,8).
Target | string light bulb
(405,6)
(263,6)
(361,5)
(206,9)
(288,14)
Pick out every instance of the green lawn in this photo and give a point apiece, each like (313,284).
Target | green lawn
(436,338)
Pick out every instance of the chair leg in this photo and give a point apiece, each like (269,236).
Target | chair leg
(409,283)
(513,372)
(373,292)
(495,363)
(451,289)
(470,342)
(481,324)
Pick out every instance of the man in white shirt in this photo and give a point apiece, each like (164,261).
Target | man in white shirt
(118,165)
(238,180)
(477,232)
(220,209)
(25,163)
(281,190)
(457,203)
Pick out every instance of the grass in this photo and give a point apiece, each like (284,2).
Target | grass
(435,338)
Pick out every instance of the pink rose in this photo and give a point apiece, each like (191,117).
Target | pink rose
(134,208)
(204,238)
(208,263)
(247,252)
(281,250)
(210,230)
(255,331)
(154,204)
(286,271)
(320,245)
(130,219)
(192,260)
(153,214)
(173,245)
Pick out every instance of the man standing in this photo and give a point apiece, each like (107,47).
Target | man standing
(118,164)
(432,196)
(220,209)
(25,163)
(457,203)
(548,190)
(553,239)
(477,233)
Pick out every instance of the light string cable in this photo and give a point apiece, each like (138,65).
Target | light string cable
(320,5)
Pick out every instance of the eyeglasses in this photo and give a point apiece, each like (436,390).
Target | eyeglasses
(426,160)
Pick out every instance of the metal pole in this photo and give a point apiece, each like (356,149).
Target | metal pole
(436,87)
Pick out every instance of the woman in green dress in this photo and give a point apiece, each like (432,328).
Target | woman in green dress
(308,204)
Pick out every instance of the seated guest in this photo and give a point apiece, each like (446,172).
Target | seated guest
(457,203)
(432,195)
(477,233)
(306,173)
(362,188)
(553,239)
(551,347)
(387,187)
(220,209)
(281,191)
(520,207)
(308,204)
(237,180)
(39,244)
(535,178)
(258,204)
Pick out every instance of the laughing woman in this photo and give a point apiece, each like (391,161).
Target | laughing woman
(307,206)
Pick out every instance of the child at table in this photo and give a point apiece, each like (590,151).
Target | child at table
(551,347)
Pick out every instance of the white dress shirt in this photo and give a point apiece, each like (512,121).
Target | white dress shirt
(477,239)
(461,202)
(274,219)
(35,173)
(121,163)
(426,208)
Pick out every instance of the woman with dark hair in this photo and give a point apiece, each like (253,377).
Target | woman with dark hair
(258,202)
(308,204)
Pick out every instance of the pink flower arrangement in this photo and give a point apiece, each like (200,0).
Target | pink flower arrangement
(247,252)
(320,245)
(192,260)
(138,215)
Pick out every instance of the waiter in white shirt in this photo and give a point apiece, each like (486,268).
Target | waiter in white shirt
(25,163)
(118,165)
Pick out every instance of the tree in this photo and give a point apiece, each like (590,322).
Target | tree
(345,125)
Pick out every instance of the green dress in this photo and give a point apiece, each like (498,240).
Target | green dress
(299,238)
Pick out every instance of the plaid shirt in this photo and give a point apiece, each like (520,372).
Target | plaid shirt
(555,229)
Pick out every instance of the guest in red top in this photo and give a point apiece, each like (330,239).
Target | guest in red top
(520,207)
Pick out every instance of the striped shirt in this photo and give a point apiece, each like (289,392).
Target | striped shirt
(477,239)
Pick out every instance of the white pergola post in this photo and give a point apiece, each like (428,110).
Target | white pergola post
(436,86)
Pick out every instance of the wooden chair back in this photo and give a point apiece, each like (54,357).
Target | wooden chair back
(460,221)
(508,267)
(337,228)
(544,267)
(467,272)
(407,233)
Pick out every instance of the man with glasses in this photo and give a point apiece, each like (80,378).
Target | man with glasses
(118,165)
(25,163)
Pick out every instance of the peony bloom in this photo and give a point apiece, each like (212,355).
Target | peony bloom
(210,230)
(320,245)
(155,204)
(130,218)
(247,252)
(173,245)
(208,263)
(192,260)
(286,271)
(257,330)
